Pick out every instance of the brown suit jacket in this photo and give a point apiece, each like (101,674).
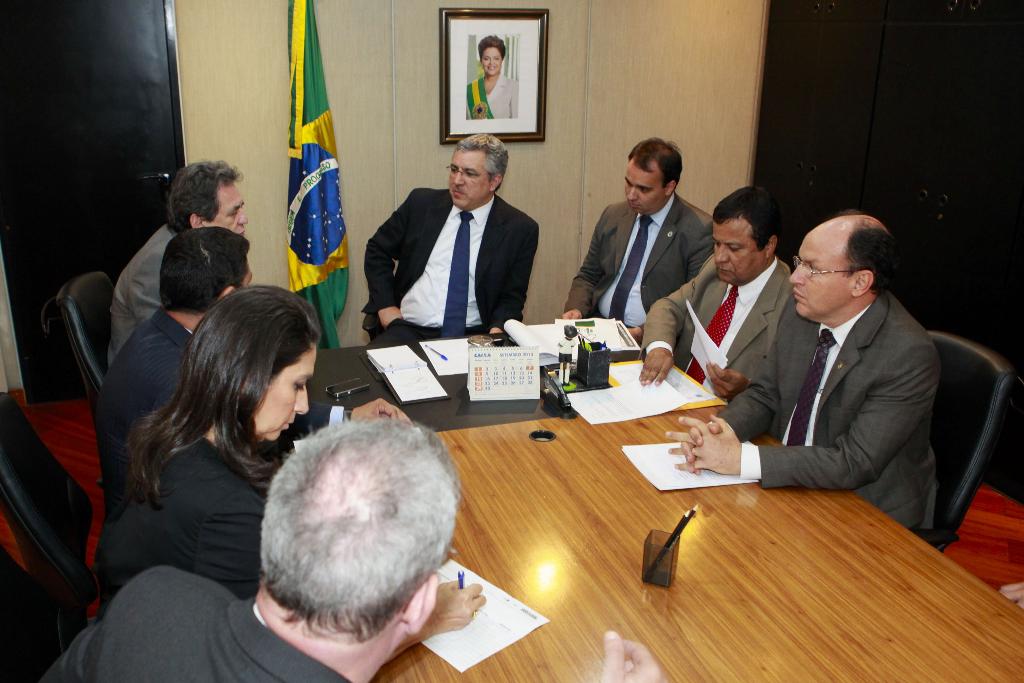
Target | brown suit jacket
(682,245)
(669,321)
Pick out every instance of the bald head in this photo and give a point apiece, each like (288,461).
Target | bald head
(847,261)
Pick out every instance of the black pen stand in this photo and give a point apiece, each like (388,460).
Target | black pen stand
(592,368)
(662,574)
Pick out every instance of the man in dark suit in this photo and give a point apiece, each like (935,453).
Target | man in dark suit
(645,248)
(738,297)
(451,262)
(848,386)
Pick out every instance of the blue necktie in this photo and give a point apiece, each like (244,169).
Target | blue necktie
(636,255)
(458,283)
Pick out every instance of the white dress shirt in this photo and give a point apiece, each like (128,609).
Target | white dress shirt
(746,296)
(636,314)
(424,303)
(750,455)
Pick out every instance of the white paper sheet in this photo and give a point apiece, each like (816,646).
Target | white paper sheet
(692,393)
(455,350)
(544,337)
(626,402)
(702,348)
(659,466)
(498,624)
(409,375)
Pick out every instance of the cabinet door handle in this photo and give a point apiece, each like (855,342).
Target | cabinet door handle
(943,200)
(952,5)
(922,195)
(974,4)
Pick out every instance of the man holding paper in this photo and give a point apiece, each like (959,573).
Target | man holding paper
(847,387)
(736,298)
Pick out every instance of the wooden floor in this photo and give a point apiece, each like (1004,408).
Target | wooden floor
(991,542)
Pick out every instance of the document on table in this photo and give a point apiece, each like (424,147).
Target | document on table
(610,332)
(627,401)
(544,337)
(659,466)
(455,352)
(498,624)
(694,395)
(406,374)
(703,348)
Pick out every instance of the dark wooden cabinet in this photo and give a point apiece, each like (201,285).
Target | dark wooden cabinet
(816,105)
(914,111)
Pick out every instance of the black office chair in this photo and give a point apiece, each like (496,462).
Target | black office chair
(84,302)
(970,406)
(49,515)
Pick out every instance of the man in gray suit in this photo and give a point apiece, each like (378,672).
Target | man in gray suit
(202,194)
(644,248)
(848,386)
(738,297)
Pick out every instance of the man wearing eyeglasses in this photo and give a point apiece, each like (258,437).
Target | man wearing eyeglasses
(738,296)
(453,262)
(847,388)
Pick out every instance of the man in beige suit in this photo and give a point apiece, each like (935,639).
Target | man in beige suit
(738,296)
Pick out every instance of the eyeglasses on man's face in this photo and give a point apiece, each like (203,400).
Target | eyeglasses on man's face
(799,263)
(468,173)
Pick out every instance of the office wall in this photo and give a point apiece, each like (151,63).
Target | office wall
(688,70)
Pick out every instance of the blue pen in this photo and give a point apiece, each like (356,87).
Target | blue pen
(443,357)
(462,580)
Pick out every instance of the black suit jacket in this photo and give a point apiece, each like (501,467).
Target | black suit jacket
(503,263)
(168,625)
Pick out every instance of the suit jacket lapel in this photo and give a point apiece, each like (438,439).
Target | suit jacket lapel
(494,235)
(435,218)
(849,355)
(666,235)
(757,319)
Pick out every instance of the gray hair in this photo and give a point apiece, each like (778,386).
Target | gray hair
(495,153)
(194,191)
(356,520)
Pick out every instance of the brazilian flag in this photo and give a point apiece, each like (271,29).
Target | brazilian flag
(317,243)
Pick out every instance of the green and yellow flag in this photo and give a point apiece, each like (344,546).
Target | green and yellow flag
(317,243)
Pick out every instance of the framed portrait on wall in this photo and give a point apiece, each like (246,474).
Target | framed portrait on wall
(493,73)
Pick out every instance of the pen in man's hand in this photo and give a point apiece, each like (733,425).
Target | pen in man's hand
(431,348)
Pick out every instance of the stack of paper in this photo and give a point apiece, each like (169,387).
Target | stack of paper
(498,624)
(627,401)
(659,466)
(544,337)
(406,374)
(693,394)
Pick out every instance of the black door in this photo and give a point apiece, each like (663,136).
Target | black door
(89,121)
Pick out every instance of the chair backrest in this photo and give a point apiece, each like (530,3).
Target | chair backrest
(84,302)
(970,406)
(48,514)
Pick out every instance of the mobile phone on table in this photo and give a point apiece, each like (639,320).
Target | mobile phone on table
(347,388)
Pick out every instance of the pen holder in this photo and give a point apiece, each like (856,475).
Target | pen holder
(592,366)
(662,574)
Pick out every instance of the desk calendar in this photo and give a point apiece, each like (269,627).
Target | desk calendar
(503,373)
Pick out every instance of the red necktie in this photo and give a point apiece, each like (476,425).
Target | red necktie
(716,330)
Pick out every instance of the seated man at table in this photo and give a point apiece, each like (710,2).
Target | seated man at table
(451,262)
(666,239)
(204,193)
(738,297)
(356,525)
(847,388)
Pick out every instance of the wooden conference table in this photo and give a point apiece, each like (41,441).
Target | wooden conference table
(784,584)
